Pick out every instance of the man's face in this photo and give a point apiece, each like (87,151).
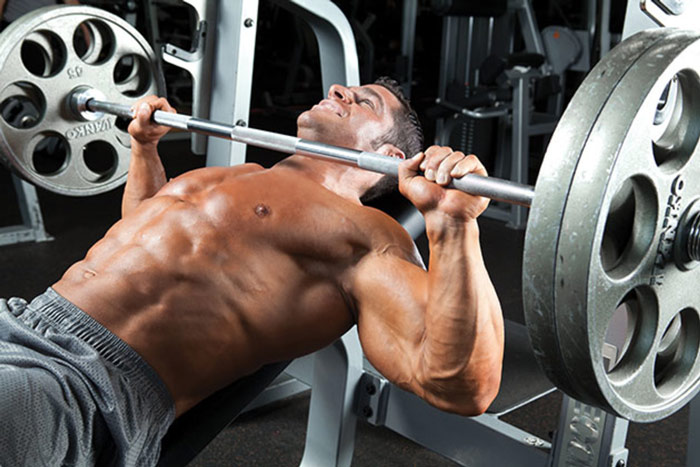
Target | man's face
(350,117)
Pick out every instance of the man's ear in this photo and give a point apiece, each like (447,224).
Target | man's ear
(390,150)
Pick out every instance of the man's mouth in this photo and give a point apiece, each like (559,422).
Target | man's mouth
(331,106)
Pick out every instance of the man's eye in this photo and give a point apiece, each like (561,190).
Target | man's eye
(368,102)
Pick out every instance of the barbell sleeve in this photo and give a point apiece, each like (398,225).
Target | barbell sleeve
(489,187)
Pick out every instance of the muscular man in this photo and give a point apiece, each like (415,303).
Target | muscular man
(222,270)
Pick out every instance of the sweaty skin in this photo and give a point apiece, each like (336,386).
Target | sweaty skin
(223,270)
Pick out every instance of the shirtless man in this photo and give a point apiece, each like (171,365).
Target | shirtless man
(222,270)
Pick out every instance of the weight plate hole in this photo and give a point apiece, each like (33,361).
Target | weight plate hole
(122,123)
(94,42)
(132,75)
(43,54)
(101,158)
(677,352)
(675,131)
(25,107)
(50,154)
(629,226)
(629,335)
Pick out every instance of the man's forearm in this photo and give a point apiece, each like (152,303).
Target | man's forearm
(146,175)
(463,341)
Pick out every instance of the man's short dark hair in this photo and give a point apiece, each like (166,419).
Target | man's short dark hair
(406,134)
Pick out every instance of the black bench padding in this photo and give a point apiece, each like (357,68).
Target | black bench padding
(196,428)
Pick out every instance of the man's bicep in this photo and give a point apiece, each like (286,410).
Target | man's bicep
(390,294)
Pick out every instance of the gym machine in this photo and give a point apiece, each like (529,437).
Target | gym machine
(478,90)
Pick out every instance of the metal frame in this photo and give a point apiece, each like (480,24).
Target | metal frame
(384,404)
(588,436)
(336,42)
(198,62)
(528,25)
(231,75)
(32,227)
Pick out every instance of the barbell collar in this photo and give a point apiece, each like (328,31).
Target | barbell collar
(492,188)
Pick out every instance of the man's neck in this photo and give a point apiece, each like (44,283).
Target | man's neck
(344,180)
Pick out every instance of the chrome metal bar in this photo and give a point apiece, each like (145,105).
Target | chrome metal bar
(493,188)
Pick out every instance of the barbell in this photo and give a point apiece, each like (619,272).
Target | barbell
(613,237)
(85,103)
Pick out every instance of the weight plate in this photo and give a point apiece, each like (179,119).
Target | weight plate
(44,56)
(626,330)
(558,168)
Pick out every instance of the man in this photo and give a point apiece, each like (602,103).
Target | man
(210,276)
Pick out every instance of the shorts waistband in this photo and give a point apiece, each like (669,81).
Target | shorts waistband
(64,316)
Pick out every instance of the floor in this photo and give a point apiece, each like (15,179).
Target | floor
(274,435)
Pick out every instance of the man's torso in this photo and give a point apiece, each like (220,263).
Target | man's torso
(226,269)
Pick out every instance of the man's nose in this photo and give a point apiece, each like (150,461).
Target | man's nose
(339,92)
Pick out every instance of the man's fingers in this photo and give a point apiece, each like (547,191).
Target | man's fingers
(143,112)
(410,167)
(162,103)
(435,156)
(470,164)
(440,164)
(145,107)
(444,171)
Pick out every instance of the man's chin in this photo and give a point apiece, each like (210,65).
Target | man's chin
(309,126)
(303,117)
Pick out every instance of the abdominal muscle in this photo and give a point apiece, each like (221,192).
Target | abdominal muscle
(202,304)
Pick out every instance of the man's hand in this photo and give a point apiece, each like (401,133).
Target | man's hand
(142,128)
(146,173)
(428,193)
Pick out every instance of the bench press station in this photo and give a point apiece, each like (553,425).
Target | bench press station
(342,365)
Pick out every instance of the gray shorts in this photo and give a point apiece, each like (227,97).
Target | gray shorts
(73,393)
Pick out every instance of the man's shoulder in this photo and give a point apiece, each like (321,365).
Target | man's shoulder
(388,236)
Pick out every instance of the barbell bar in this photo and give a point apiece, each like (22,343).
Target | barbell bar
(83,102)
(613,229)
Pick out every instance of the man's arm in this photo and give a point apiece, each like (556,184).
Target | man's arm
(146,173)
(438,333)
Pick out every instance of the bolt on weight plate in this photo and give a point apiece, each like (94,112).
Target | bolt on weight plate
(558,168)
(612,311)
(45,55)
